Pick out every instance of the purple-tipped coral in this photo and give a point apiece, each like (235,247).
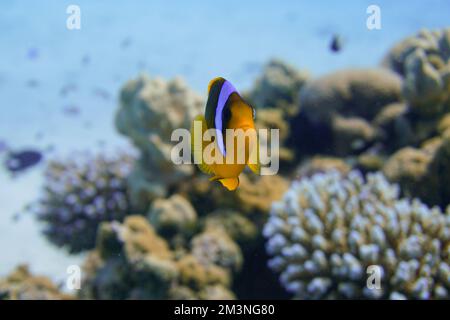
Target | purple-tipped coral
(79,194)
(329,229)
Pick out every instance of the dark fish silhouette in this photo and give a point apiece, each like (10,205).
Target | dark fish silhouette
(102,93)
(32,83)
(71,110)
(126,42)
(336,43)
(19,161)
(32,53)
(85,60)
(68,88)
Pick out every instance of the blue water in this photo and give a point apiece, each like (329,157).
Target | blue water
(197,40)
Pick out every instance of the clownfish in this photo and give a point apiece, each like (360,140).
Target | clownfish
(225,109)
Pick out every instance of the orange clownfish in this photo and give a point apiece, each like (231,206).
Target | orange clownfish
(226,158)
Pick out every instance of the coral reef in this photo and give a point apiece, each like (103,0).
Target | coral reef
(424,62)
(423,172)
(20,284)
(132,261)
(173,216)
(329,228)
(150,109)
(277,87)
(78,194)
(338,111)
(322,164)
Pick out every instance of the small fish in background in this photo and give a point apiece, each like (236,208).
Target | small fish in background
(19,161)
(102,93)
(336,43)
(225,109)
(71,110)
(87,125)
(50,148)
(85,60)
(39,135)
(32,83)
(32,54)
(126,43)
(3,146)
(101,143)
(68,88)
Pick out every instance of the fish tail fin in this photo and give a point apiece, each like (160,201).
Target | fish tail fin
(230,183)
(198,146)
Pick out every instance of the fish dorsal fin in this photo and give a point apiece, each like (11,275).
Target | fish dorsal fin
(210,84)
(198,145)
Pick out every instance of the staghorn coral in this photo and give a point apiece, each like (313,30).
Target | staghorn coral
(328,229)
(22,285)
(424,62)
(80,193)
(150,110)
(277,87)
(131,261)
(338,111)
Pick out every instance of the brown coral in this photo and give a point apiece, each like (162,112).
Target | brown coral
(22,285)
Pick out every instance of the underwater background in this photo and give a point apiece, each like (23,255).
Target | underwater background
(365,158)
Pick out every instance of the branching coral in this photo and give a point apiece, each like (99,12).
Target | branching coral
(328,229)
(79,194)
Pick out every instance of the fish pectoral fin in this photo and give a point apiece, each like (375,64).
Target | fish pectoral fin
(215,178)
(198,146)
(230,183)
